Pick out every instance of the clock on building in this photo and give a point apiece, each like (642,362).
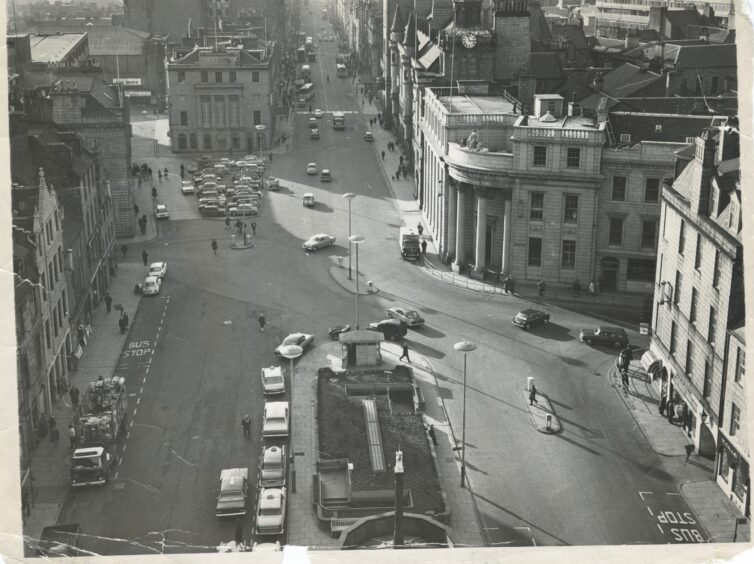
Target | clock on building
(468,40)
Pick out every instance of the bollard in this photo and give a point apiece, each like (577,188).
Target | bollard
(371,286)
(529,382)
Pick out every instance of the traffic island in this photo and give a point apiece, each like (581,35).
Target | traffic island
(541,414)
(239,243)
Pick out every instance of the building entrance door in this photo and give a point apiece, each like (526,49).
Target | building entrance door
(609,273)
(489,237)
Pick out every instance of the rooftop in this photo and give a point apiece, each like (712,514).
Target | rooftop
(475,104)
(566,122)
(54,48)
(116,40)
(658,127)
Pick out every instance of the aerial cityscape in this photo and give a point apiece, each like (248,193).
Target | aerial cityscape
(365,274)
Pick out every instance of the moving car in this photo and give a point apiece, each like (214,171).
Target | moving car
(529,318)
(392,329)
(410,317)
(232,492)
(151,286)
(605,335)
(272,184)
(161,211)
(272,380)
(318,241)
(270,512)
(159,269)
(313,123)
(276,419)
(335,332)
(309,201)
(303,340)
(314,133)
(187,187)
(325,175)
(273,468)
(311,168)
(318,113)
(368,136)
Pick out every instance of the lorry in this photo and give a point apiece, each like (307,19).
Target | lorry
(103,418)
(410,244)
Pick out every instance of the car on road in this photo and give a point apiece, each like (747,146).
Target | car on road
(335,332)
(232,492)
(392,329)
(410,317)
(272,184)
(212,210)
(303,340)
(159,269)
(311,168)
(270,518)
(187,187)
(318,241)
(318,113)
(368,136)
(243,208)
(276,419)
(314,133)
(151,286)
(528,318)
(308,200)
(272,469)
(313,123)
(325,175)
(161,211)
(605,335)
(272,380)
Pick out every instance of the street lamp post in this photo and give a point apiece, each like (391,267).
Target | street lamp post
(292,352)
(464,347)
(357,240)
(349,196)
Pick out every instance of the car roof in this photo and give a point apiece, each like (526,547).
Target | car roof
(530,311)
(273,453)
(275,407)
(273,370)
(270,498)
(151,279)
(611,329)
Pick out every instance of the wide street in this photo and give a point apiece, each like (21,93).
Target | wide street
(195,353)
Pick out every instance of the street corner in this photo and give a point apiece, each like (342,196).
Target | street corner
(339,273)
(541,413)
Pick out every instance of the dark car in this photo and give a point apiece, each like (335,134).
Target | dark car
(529,318)
(335,332)
(392,329)
(604,335)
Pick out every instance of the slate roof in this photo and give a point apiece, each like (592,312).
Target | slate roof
(53,48)
(116,40)
(643,127)
(704,56)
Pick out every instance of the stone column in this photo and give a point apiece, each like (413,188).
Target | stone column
(506,266)
(460,228)
(452,195)
(481,229)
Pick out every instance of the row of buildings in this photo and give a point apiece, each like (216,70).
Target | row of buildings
(545,153)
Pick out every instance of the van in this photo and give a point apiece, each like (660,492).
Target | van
(306,72)
(309,201)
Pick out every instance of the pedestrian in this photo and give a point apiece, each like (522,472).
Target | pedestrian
(227,222)
(424,246)
(624,379)
(533,395)
(124,249)
(143,226)
(165,174)
(592,289)
(511,284)
(663,403)
(253,227)
(262,322)
(405,354)
(72,435)
(431,433)
(136,209)
(246,426)
(400,159)
(214,246)
(670,407)
(383,155)
(541,288)
(238,225)
(154,193)
(149,171)
(183,169)
(108,301)
(54,437)
(270,156)
(159,175)
(145,257)
(398,174)
(689,450)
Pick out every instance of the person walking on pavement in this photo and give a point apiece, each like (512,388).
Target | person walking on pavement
(262,322)
(159,175)
(533,395)
(253,227)
(424,246)
(136,209)
(689,451)
(227,222)
(405,354)
(383,155)
(154,193)
(214,246)
(72,435)
(541,288)
(246,426)
(431,433)
(108,301)
(145,257)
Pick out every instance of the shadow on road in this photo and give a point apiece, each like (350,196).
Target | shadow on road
(555,332)
(424,349)
(429,332)
(324,208)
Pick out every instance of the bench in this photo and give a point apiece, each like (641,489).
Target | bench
(374,437)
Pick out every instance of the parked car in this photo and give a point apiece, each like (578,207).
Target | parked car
(270,512)
(308,200)
(318,241)
(151,286)
(192,167)
(335,332)
(318,113)
(392,329)
(311,168)
(303,340)
(272,380)
(243,208)
(273,467)
(410,317)
(529,318)
(368,136)
(232,492)
(314,133)
(325,175)
(161,211)
(276,419)
(187,187)
(605,335)
(212,210)
(159,269)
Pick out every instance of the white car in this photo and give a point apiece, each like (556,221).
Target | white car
(187,187)
(311,168)
(161,211)
(318,113)
(271,512)
(276,419)
(302,340)
(151,286)
(158,269)
(318,241)
(272,380)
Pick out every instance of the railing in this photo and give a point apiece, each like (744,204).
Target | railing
(458,155)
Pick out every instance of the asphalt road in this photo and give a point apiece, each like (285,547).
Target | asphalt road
(193,375)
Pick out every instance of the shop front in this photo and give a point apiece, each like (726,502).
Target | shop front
(732,474)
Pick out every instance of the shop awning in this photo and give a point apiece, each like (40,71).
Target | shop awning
(650,362)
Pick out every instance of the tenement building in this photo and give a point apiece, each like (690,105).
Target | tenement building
(699,303)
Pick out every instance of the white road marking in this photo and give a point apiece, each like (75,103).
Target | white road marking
(650,511)
(138,401)
(672,493)
(141,391)
(641,494)
(116,474)
(659,527)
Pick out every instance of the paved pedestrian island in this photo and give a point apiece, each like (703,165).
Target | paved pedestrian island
(539,413)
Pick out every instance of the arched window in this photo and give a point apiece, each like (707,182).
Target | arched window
(206,141)
(182,143)
(192,140)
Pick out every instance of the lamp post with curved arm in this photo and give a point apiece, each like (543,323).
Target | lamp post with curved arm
(465,347)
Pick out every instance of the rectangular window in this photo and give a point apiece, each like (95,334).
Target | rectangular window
(568,257)
(677,289)
(672,337)
(255,76)
(689,358)
(698,252)
(740,365)
(652,190)
(707,387)
(257,117)
(232,76)
(616,231)
(648,234)
(206,141)
(181,77)
(537,206)
(218,77)
(184,118)
(692,310)
(535,251)
(571,208)
(47,334)
(682,237)
(540,156)
(712,333)
(716,271)
(619,189)
(735,419)
(573,158)
(203,76)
